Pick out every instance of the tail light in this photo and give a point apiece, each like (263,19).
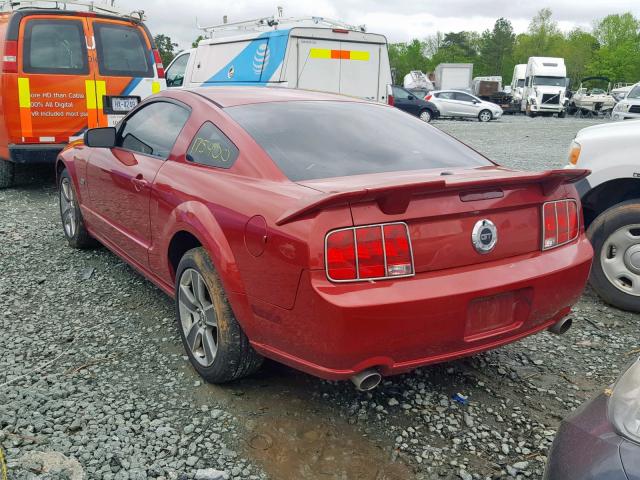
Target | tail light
(367,253)
(428,97)
(560,223)
(10,57)
(159,67)
(390,99)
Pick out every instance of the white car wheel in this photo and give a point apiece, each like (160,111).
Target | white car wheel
(485,116)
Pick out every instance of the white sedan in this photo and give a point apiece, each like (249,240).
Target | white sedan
(455,103)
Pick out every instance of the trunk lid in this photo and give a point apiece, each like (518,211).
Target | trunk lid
(442,208)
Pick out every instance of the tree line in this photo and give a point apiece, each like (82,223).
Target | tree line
(611,49)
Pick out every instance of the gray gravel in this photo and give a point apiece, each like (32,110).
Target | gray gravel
(94,383)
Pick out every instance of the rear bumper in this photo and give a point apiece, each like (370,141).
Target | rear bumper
(587,448)
(35,153)
(337,330)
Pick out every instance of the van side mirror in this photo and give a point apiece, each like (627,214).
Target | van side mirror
(100,137)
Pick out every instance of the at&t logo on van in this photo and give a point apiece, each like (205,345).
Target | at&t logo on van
(261,58)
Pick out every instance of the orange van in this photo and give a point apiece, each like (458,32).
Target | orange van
(64,71)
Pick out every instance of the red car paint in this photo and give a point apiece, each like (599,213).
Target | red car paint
(265,235)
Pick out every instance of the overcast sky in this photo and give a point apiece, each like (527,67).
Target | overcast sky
(399,20)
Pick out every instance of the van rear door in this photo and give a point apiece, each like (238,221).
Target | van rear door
(339,61)
(54,75)
(125,70)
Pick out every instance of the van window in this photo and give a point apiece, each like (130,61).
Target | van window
(175,73)
(153,129)
(122,51)
(323,139)
(55,46)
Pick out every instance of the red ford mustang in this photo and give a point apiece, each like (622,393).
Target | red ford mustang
(341,237)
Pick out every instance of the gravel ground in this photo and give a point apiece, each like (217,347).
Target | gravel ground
(94,382)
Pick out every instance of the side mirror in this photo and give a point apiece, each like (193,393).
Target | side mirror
(411,97)
(100,137)
(476,102)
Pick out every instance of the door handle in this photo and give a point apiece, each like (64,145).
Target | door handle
(139,183)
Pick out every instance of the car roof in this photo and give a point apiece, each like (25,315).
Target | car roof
(231,96)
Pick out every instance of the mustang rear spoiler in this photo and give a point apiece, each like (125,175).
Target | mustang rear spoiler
(394,199)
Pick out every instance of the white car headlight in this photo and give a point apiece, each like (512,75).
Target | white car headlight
(624,404)
(621,107)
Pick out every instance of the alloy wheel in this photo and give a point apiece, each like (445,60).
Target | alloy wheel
(68,208)
(198,317)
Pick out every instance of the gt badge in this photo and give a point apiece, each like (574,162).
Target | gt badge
(484,236)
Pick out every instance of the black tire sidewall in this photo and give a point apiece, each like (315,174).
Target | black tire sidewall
(626,213)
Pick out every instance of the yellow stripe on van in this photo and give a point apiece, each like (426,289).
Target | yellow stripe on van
(90,88)
(101,90)
(24,93)
(359,55)
(320,53)
(155,87)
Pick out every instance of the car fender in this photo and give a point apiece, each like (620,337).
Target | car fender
(66,160)
(197,219)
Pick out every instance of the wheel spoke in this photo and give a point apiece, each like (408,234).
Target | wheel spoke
(66,187)
(200,290)
(621,239)
(209,345)
(192,336)
(210,317)
(187,299)
(615,267)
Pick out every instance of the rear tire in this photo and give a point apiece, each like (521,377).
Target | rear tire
(216,345)
(485,116)
(72,222)
(7,173)
(426,115)
(615,236)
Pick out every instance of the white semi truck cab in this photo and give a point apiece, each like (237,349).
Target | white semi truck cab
(517,82)
(545,87)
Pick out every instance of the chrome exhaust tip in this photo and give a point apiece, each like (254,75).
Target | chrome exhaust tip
(562,326)
(366,380)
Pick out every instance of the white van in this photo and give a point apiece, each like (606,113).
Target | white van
(310,56)
(545,87)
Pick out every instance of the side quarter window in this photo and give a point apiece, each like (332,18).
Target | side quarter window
(153,129)
(212,147)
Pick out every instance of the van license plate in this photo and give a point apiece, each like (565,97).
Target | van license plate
(123,104)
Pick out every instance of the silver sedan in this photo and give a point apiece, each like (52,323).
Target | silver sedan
(455,103)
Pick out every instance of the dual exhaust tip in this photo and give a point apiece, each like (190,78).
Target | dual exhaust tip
(369,379)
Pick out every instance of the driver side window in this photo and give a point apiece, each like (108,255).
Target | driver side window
(175,73)
(400,93)
(153,129)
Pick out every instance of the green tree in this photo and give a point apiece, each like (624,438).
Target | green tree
(496,50)
(405,57)
(194,44)
(615,30)
(166,48)
(619,56)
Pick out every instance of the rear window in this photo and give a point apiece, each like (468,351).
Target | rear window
(55,46)
(324,139)
(122,51)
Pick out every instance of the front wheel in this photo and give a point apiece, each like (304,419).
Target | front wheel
(485,116)
(216,345)
(615,236)
(70,214)
(7,173)
(425,115)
